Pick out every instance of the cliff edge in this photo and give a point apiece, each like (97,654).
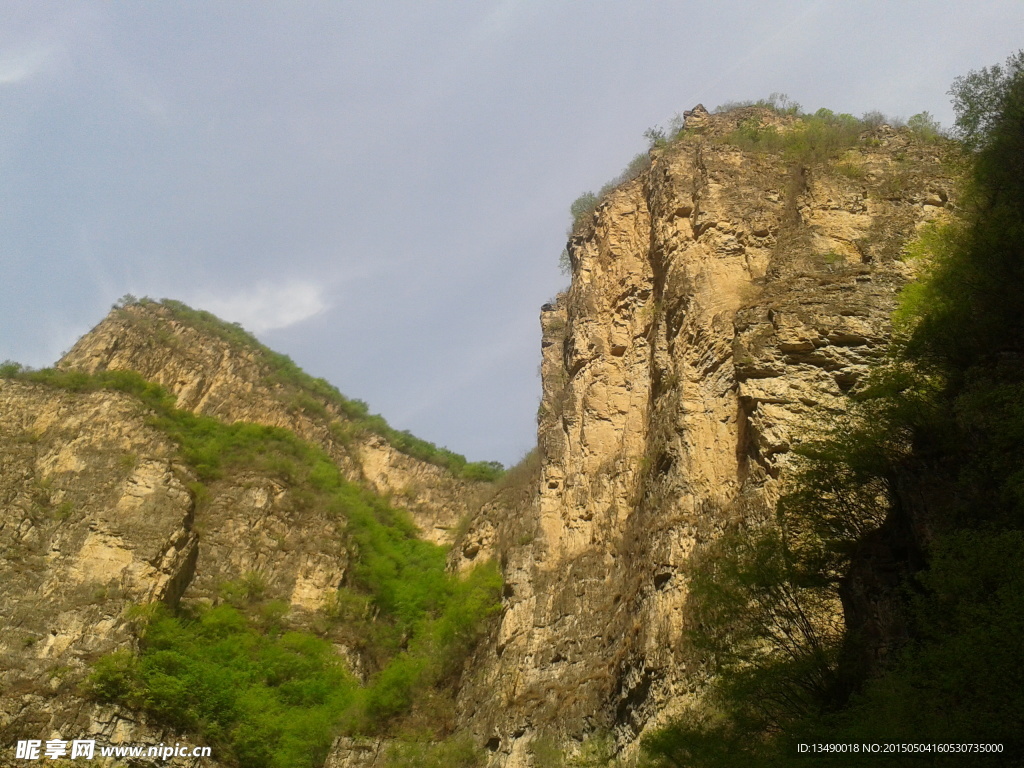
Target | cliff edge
(722,300)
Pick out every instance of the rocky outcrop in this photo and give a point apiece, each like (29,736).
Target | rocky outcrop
(95,517)
(98,515)
(719,303)
(234,381)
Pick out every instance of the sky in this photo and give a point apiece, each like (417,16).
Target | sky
(381,189)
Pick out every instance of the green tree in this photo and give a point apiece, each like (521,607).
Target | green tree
(581,207)
(979,99)
(925,126)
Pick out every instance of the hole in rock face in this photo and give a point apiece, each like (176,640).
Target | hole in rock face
(664,463)
(661,580)
(618,350)
(493,743)
(846,380)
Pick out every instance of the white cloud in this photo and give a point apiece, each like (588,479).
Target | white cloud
(18,65)
(267,307)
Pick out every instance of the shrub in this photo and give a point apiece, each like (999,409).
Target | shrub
(813,139)
(582,207)
(265,699)
(10,369)
(925,127)
(457,752)
(779,103)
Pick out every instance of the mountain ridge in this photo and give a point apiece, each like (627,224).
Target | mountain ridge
(735,288)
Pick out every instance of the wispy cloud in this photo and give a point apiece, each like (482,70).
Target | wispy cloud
(267,307)
(20,64)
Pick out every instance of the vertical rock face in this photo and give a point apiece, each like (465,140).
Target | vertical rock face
(717,302)
(94,518)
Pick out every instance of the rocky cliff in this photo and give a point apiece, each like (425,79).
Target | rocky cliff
(722,303)
(96,518)
(213,369)
(100,513)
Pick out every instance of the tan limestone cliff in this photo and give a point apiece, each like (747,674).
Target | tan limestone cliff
(98,515)
(95,518)
(720,303)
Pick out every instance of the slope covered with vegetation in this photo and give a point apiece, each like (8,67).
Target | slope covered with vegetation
(243,675)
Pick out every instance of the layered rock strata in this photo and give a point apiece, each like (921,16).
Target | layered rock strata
(95,517)
(721,304)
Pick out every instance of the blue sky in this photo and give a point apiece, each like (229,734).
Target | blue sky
(381,190)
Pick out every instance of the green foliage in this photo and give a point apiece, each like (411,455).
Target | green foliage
(979,99)
(113,677)
(704,738)
(271,697)
(439,641)
(582,208)
(129,382)
(264,699)
(10,369)
(598,750)
(546,753)
(925,127)
(850,170)
(813,139)
(779,103)
(968,310)
(125,301)
(656,137)
(457,752)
